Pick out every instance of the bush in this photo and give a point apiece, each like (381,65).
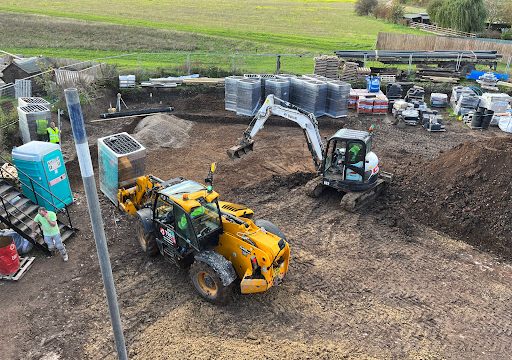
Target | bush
(396,12)
(393,12)
(489,34)
(381,11)
(365,7)
(9,134)
(507,35)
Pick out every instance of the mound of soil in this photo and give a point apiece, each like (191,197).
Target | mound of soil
(465,192)
(162,131)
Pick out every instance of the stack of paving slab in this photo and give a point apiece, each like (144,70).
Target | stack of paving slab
(349,72)
(327,66)
(248,96)
(338,93)
(280,88)
(230,92)
(314,96)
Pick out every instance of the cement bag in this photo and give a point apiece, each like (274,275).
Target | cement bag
(9,258)
(22,245)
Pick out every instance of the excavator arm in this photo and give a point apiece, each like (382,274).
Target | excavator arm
(286,110)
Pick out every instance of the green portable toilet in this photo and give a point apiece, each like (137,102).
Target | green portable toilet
(42,174)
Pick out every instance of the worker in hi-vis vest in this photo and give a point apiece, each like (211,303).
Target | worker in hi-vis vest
(41,129)
(53,133)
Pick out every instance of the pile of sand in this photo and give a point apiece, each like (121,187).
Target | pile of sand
(162,131)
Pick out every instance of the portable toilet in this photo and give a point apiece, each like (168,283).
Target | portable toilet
(42,174)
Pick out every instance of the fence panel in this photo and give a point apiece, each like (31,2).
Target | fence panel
(22,88)
(392,41)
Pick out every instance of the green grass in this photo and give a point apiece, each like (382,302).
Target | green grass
(78,29)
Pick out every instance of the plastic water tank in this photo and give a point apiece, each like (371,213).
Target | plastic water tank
(373,84)
(42,174)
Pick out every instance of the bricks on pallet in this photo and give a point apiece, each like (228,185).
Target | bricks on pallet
(365,104)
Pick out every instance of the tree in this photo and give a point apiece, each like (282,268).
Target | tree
(434,8)
(507,13)
(365,7)
(462,15)
(496,10)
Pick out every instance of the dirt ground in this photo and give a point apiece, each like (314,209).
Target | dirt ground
(371,284)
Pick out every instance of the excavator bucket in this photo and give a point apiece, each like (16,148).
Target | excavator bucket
(240,150)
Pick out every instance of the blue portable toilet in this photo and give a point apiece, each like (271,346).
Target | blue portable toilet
(42,174)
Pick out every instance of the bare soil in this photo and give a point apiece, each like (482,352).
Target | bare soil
(373,284)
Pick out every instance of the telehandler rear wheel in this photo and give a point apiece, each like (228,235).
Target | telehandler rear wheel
(209,284)
(147,241)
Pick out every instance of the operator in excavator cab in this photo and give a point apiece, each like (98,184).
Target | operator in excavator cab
(354,151)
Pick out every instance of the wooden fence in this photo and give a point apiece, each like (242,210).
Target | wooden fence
(440,30)
(73,77)
(393,41)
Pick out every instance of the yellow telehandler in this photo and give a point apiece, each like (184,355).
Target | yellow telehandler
(218,241)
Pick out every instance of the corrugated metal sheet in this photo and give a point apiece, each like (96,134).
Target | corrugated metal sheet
(32,65)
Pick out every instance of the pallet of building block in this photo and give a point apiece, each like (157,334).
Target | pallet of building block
(25,265)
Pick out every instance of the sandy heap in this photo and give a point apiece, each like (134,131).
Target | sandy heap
(162,131)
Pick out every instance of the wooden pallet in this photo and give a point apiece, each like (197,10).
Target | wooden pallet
(25,265)
(388,78)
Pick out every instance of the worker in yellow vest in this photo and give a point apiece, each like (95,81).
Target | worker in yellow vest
(53,133)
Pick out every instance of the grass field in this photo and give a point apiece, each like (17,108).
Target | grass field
(93,29)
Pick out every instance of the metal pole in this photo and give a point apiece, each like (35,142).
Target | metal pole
(278,64)
(118,102)
(59,124)
(84,159)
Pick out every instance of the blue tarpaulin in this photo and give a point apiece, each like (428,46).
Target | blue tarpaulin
(475,75)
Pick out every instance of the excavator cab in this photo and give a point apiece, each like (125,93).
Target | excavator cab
(349,164)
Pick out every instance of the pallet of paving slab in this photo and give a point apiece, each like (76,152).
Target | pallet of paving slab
(25,265)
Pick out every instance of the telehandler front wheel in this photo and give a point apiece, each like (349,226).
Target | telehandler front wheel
(147,241)
(267,225)
(209,284)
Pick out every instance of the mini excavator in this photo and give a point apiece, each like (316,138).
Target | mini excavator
(346,163)
(218,241)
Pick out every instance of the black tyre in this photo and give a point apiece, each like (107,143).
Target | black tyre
(147,241)
(274,229)
(209,284)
